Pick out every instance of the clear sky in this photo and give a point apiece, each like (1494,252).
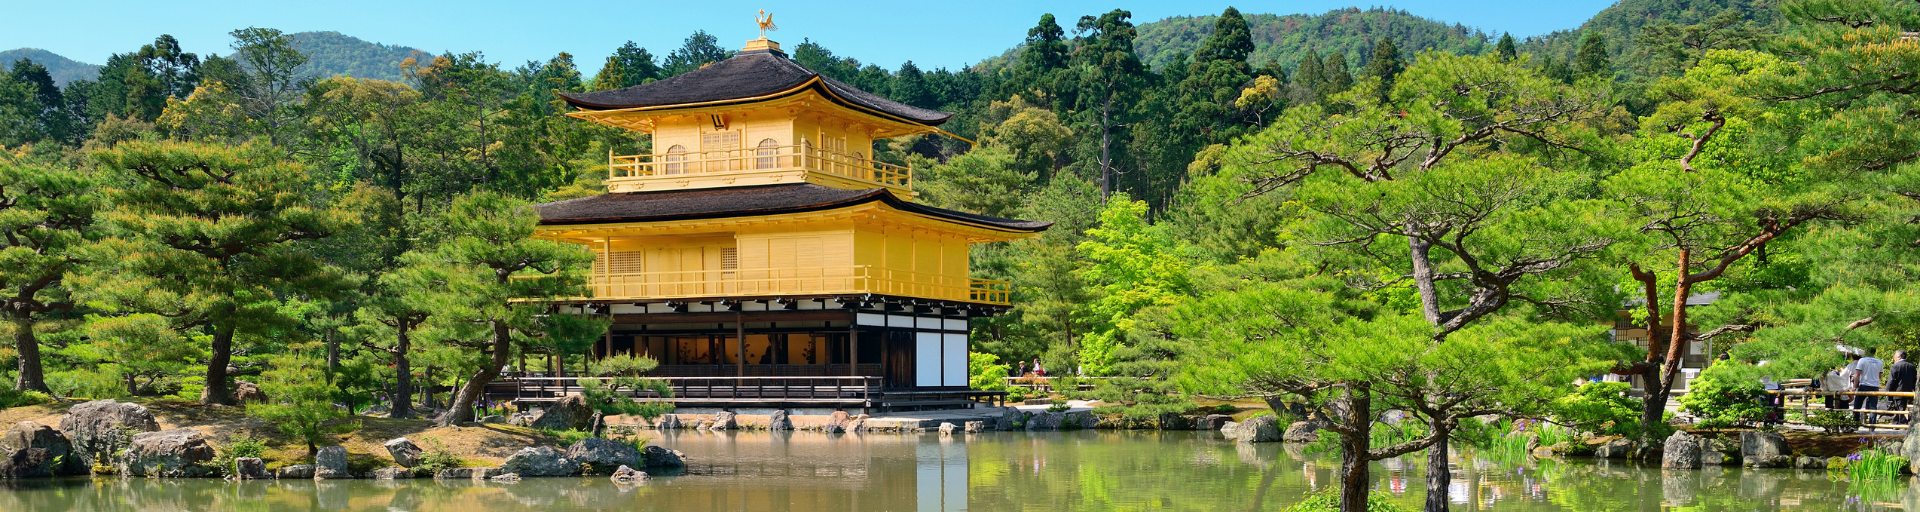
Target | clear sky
(932,33)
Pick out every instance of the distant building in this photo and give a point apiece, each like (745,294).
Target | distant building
(758,240)
(1625,330)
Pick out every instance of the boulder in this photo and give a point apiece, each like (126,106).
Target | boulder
(1045,420)
(1763,446)
(392,473)
(602,455)
(173,453)
(1775,461)
(493,419)
(947,429)
(975,427)
(250,468)
(1682,451)
(1230,430)
(1173,421)
(505,477)
(296,472)
(858,423)
(1301,432)
(34,450)
(245,392)
(838,422)
(779,421)
(1214,422)
(520,419)
(657,457)
(1006,420)
(539,461)
(1713,458)
(724,420)
(627,475)
(668,422)
(1618,448)
(331,463)
(1259,429)
(404,452)
(1810,463)
(468,473)
(95,427)
(570,413)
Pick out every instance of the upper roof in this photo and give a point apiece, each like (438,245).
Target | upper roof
(715,203)
(753,75)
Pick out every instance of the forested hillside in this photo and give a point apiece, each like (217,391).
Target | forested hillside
(63,69)
(335,54)
(1287,38)
(1623,24)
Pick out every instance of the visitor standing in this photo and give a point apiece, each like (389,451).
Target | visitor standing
(1835,381)
(1900,380)
(1037,370)
(1866,378)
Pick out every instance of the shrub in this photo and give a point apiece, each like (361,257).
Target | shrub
(985,372)
(1601,408)
(238,446)
(1059,407)
(1329,501)
(11,398)
(302,405)
(1834,422)
(435,457)
(1726,395)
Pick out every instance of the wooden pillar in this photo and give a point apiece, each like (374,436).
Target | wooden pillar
(853,343)
(740,344)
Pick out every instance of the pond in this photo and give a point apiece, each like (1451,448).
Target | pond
(1052,471)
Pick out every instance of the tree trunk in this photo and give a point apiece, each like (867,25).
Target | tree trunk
(333,354)
(1356,477)
(1655,408)
(1418,250)
(403,375)
(1439,475)
(461,410)
(216,390)
(31,377)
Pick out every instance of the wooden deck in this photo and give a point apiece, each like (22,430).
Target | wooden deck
(849,392)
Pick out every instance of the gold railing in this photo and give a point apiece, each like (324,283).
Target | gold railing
(774,158)
(793,281)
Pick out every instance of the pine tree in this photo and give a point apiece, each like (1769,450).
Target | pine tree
(1385,65)
(47,217)
(1339,79)
(1592,59)
(1507,50)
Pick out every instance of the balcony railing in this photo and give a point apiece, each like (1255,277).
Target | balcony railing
(770,158)
(797,281)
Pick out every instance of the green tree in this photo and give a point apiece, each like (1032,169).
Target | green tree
(1507,50)
(300,400)
(1109,78)
(1592,60)
(699,49)
(1339,78)
(269,84)
(47,217)
(622,380)
(630,65)
(1385,65)
(212,238)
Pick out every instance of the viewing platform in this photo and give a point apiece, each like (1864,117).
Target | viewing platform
(787,282)
(765,165)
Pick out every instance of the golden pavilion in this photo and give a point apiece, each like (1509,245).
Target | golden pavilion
(763,258)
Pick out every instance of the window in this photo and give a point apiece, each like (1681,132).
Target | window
(721,150)
(676,155)
(767,155)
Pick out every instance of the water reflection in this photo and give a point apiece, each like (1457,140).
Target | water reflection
(786,471)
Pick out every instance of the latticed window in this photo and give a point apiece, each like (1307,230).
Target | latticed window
(675,160)
(767,155)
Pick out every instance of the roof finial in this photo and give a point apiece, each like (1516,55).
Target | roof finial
(766,23)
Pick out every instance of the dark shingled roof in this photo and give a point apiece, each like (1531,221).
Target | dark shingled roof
(716,203)
(749,74)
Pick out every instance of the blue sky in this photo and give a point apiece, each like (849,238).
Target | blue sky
(932,33)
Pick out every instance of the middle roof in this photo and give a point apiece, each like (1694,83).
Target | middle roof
(750,76)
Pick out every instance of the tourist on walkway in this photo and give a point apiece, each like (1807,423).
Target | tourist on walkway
(1835,381)
(1866,378)
(1037,370)
(1900,380)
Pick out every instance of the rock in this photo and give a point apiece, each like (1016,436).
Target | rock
(173,453)
(602,455)
(1301,432)
(244,392)
(1713,458)
(838,422)
(1810,463)
(1762,446)
(331,463)
(493,419)
(1618,448)
(1214,422)
(1773,461)
(779,420)
(404,452)
(468,473)
(520,419)
(975,427)
(1005,421)
(1045,420)
(296,472)
(1230,430)
(1259,429)
(724,420)
(34,450)
(947,429)
(570,413)
(250,468)
(668,422)
(1172,421)
(627,475)
(539,461)
(1682,451)
(377,410)
(858,423)
(506,477)
(95,427)
(392,473)
(657,457)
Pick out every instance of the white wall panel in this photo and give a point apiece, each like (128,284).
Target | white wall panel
(926,359)
(954,350)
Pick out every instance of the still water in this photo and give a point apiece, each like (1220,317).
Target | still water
(1054,471)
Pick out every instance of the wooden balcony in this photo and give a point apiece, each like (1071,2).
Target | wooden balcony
(756,166)
(797,281)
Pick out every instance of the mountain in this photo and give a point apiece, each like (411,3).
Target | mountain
(1621,23)
(1286,38)
(63,69)
(333,53)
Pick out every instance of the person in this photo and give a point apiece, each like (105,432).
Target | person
(1900,380)
(1866,378)
(1037,370)
(1835,381)
(1023,369)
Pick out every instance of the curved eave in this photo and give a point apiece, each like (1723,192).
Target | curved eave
(587,110)
(881,195)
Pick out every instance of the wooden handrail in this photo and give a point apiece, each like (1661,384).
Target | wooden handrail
(788,157)
(773,281)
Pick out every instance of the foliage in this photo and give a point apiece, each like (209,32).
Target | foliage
(1725,395)
(623,372)
(1876,462)
(1601,408)
(11,398)
(985,372)
(301,404)
(237,446)
(1059,407)
(1834,421)
(1327,501)
(435,458)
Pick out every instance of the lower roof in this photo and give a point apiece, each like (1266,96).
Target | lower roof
(719,203)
